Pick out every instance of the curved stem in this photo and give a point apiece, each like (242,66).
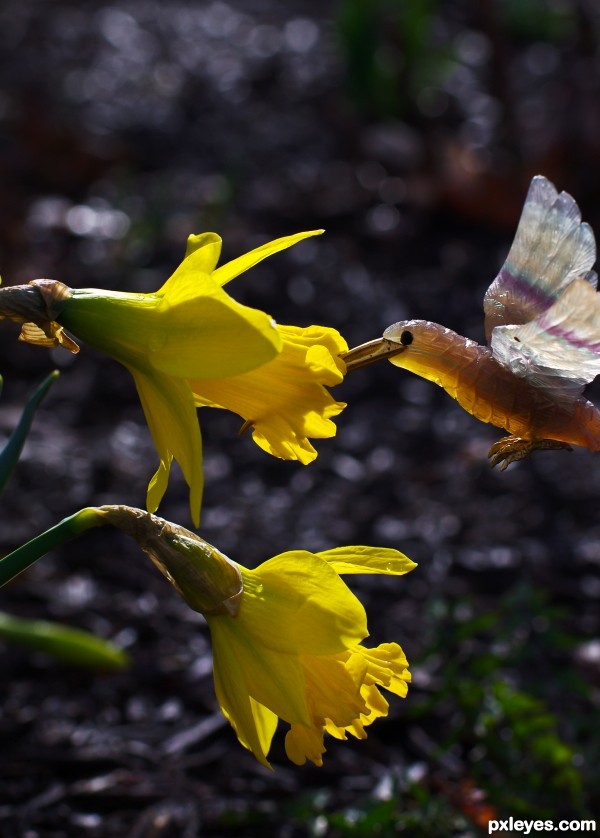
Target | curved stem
(26,555)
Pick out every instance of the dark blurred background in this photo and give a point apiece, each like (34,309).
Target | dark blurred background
(409,131)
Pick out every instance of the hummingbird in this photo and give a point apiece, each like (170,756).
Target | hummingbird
(542,326)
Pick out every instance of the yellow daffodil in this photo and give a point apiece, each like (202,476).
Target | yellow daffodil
(191,344)
(287,636)
(294,652)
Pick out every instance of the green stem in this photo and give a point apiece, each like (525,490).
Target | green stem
(21,558)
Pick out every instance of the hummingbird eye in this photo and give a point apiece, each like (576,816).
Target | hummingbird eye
(406,338)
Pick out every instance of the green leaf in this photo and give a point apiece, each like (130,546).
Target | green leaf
(11,452)
(70,645)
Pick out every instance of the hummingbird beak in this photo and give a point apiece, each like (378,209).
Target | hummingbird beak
(369,353)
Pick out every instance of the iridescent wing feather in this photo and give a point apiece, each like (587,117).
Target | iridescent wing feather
(552,247)
(560,349)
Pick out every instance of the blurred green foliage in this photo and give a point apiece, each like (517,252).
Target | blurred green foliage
(390,61)
(517,712)
(415,811)
(539,19)
(505,726)
(399,55)
(69,645)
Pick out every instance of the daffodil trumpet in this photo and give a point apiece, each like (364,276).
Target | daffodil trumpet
(190,344)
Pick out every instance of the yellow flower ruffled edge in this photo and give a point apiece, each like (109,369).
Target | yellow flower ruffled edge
(294,652)
(285,401)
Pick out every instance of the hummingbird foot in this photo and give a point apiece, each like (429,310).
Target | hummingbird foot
(510,449)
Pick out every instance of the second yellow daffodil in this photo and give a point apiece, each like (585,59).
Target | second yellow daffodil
(293,651)
(287,635)
(189,344)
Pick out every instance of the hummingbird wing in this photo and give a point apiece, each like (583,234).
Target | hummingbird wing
(551,248)
(559,350)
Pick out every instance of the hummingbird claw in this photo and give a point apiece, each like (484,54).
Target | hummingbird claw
(510,449)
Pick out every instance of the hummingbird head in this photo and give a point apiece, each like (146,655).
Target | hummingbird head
(395,340)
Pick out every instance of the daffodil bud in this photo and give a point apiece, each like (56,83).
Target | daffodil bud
(207,580)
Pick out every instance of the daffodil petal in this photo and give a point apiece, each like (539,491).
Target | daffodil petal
(362,559)
(334,730)
(212,244)
(254,728)
(158,483)
(266,723)
(357,729)
(334,687)
(296,603)
(243,263)
(171,416)
(201,257)
(302,743)
(273,680)
(209,335)
(277,684)
(283,418)
(376,703)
